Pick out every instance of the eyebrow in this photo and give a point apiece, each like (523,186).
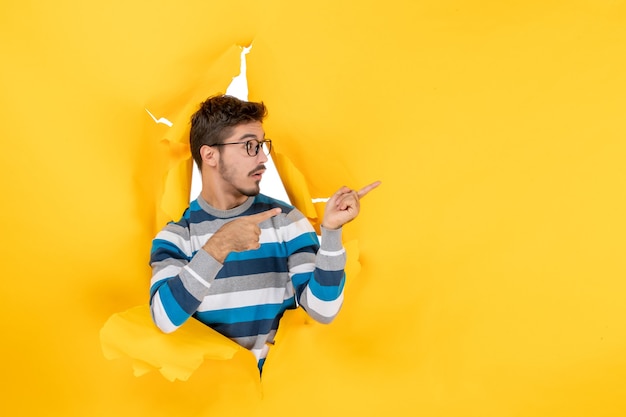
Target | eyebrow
(249,135)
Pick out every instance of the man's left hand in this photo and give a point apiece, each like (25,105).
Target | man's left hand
(344,206)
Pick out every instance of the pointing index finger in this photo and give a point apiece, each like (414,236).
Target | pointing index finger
(363,191)
(264,215)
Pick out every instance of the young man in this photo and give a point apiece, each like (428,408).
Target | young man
(237,259)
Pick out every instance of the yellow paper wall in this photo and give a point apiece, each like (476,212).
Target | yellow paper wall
(492,269)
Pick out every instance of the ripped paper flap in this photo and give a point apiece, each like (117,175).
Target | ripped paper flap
(177,355)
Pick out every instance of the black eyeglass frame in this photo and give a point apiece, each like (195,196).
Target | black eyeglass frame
(252,151)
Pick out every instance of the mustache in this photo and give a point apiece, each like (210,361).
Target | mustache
(257,169)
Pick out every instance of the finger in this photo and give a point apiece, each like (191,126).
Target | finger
(341,198)
(264,215)
(347,201)
(341,191)
(363,191)
(339,194)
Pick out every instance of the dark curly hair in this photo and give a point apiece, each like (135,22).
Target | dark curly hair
(216,118)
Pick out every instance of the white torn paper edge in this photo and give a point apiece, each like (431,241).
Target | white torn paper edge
(162,120)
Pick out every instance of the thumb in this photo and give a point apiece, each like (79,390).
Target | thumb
(264,215)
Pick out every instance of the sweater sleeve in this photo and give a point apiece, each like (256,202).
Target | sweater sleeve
(180,279)
(323,296)
(318,275)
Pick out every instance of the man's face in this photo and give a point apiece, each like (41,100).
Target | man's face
(240,172)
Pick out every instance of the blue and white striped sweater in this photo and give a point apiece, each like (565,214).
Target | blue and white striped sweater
(245,297)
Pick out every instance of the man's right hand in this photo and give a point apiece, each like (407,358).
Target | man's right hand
(239,235)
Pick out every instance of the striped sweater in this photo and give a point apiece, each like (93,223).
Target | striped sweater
(245,297)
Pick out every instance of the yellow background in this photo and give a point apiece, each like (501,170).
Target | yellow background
(491,277)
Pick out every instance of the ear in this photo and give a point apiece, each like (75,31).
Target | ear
(209,155)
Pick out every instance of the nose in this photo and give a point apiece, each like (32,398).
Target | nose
(261,157)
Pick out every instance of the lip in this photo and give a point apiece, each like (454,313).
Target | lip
(258,174)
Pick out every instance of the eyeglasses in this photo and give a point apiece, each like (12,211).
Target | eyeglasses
(253,146)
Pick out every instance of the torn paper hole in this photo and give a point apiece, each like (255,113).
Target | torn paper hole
(239,85)
(271,184)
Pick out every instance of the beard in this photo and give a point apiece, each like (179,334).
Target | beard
(229,174)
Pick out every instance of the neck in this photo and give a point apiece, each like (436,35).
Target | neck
(214,193)
(221,201)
